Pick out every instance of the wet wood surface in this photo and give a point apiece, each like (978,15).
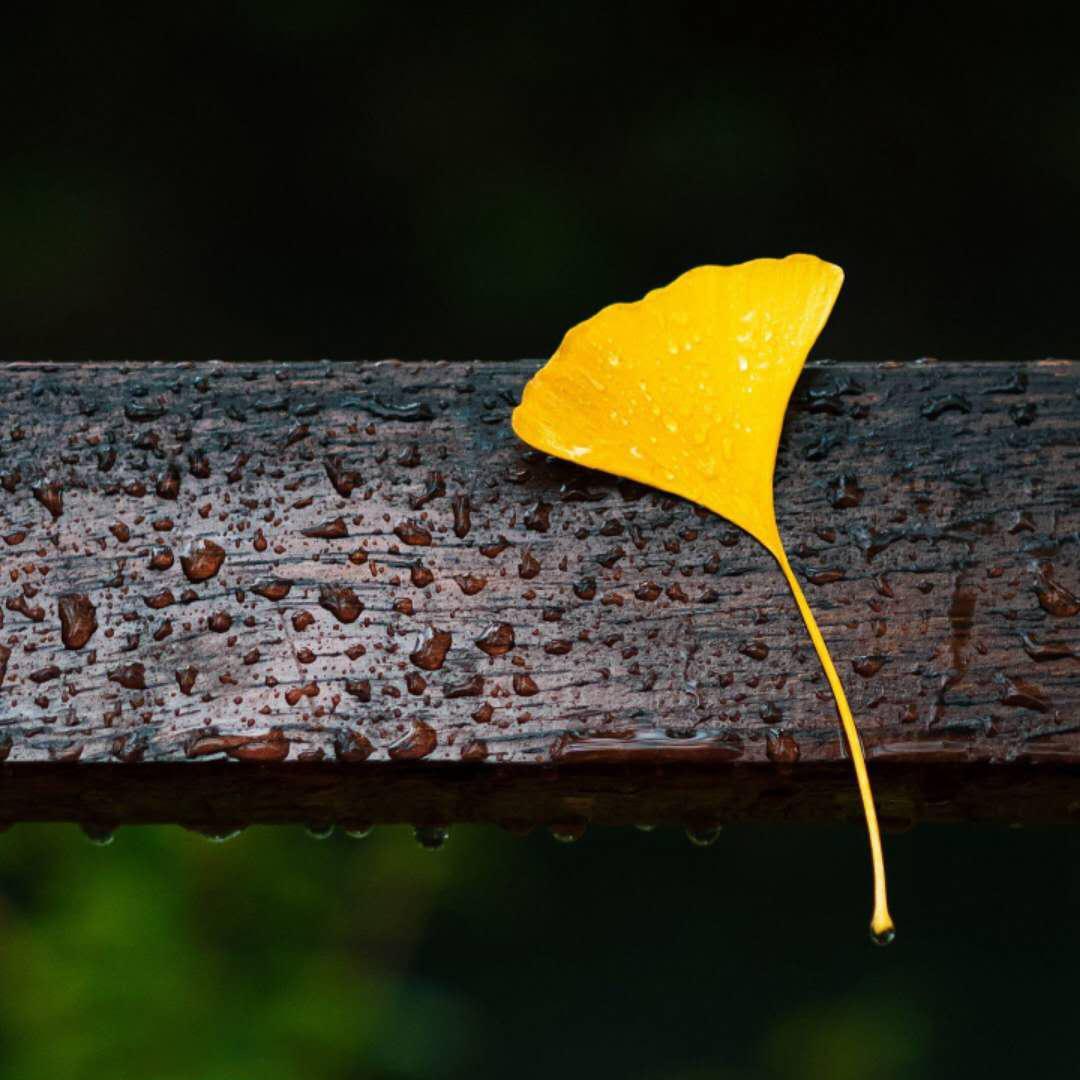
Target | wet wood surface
(314,592)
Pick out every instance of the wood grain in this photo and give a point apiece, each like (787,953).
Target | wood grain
(258,592)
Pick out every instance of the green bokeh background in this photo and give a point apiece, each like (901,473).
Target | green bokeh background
(355,180)
(277,955)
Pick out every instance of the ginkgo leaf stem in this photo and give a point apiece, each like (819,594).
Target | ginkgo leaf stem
(881,924)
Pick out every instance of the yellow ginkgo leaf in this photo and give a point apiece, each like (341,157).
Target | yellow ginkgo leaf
(686,390)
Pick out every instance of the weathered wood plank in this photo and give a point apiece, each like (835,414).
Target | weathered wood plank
(352,574)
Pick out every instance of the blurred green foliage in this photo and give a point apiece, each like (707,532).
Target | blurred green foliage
(168,956)
(165,956)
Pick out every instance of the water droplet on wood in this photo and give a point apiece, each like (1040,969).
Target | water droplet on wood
(867,666)
(168,485)
(538,519)
(844,492)
(781,748)
(585,588)
(341,601)
(420,576)
(473,686)
(161,558)
(273,590)
(203,561)
(417,744)
(359,689)
(130,676)
(431,651)
(497,639)
(756,650)
(409,532)
(469,584)
(1055,598)
(78,620)
(51,496)
(342,479)
(947,403)
(525,685)
(185,679)
(1023,695)
(1042,651)
(328,530)
(462,508)
(435,489)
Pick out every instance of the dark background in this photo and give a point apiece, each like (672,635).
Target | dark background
(340,179)
(356,180)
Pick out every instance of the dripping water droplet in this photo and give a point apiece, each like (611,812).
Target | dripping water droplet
(703,836)
(568,832)
(431,837)
(883,937)
(101,835)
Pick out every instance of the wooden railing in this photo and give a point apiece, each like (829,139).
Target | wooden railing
(346,592)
